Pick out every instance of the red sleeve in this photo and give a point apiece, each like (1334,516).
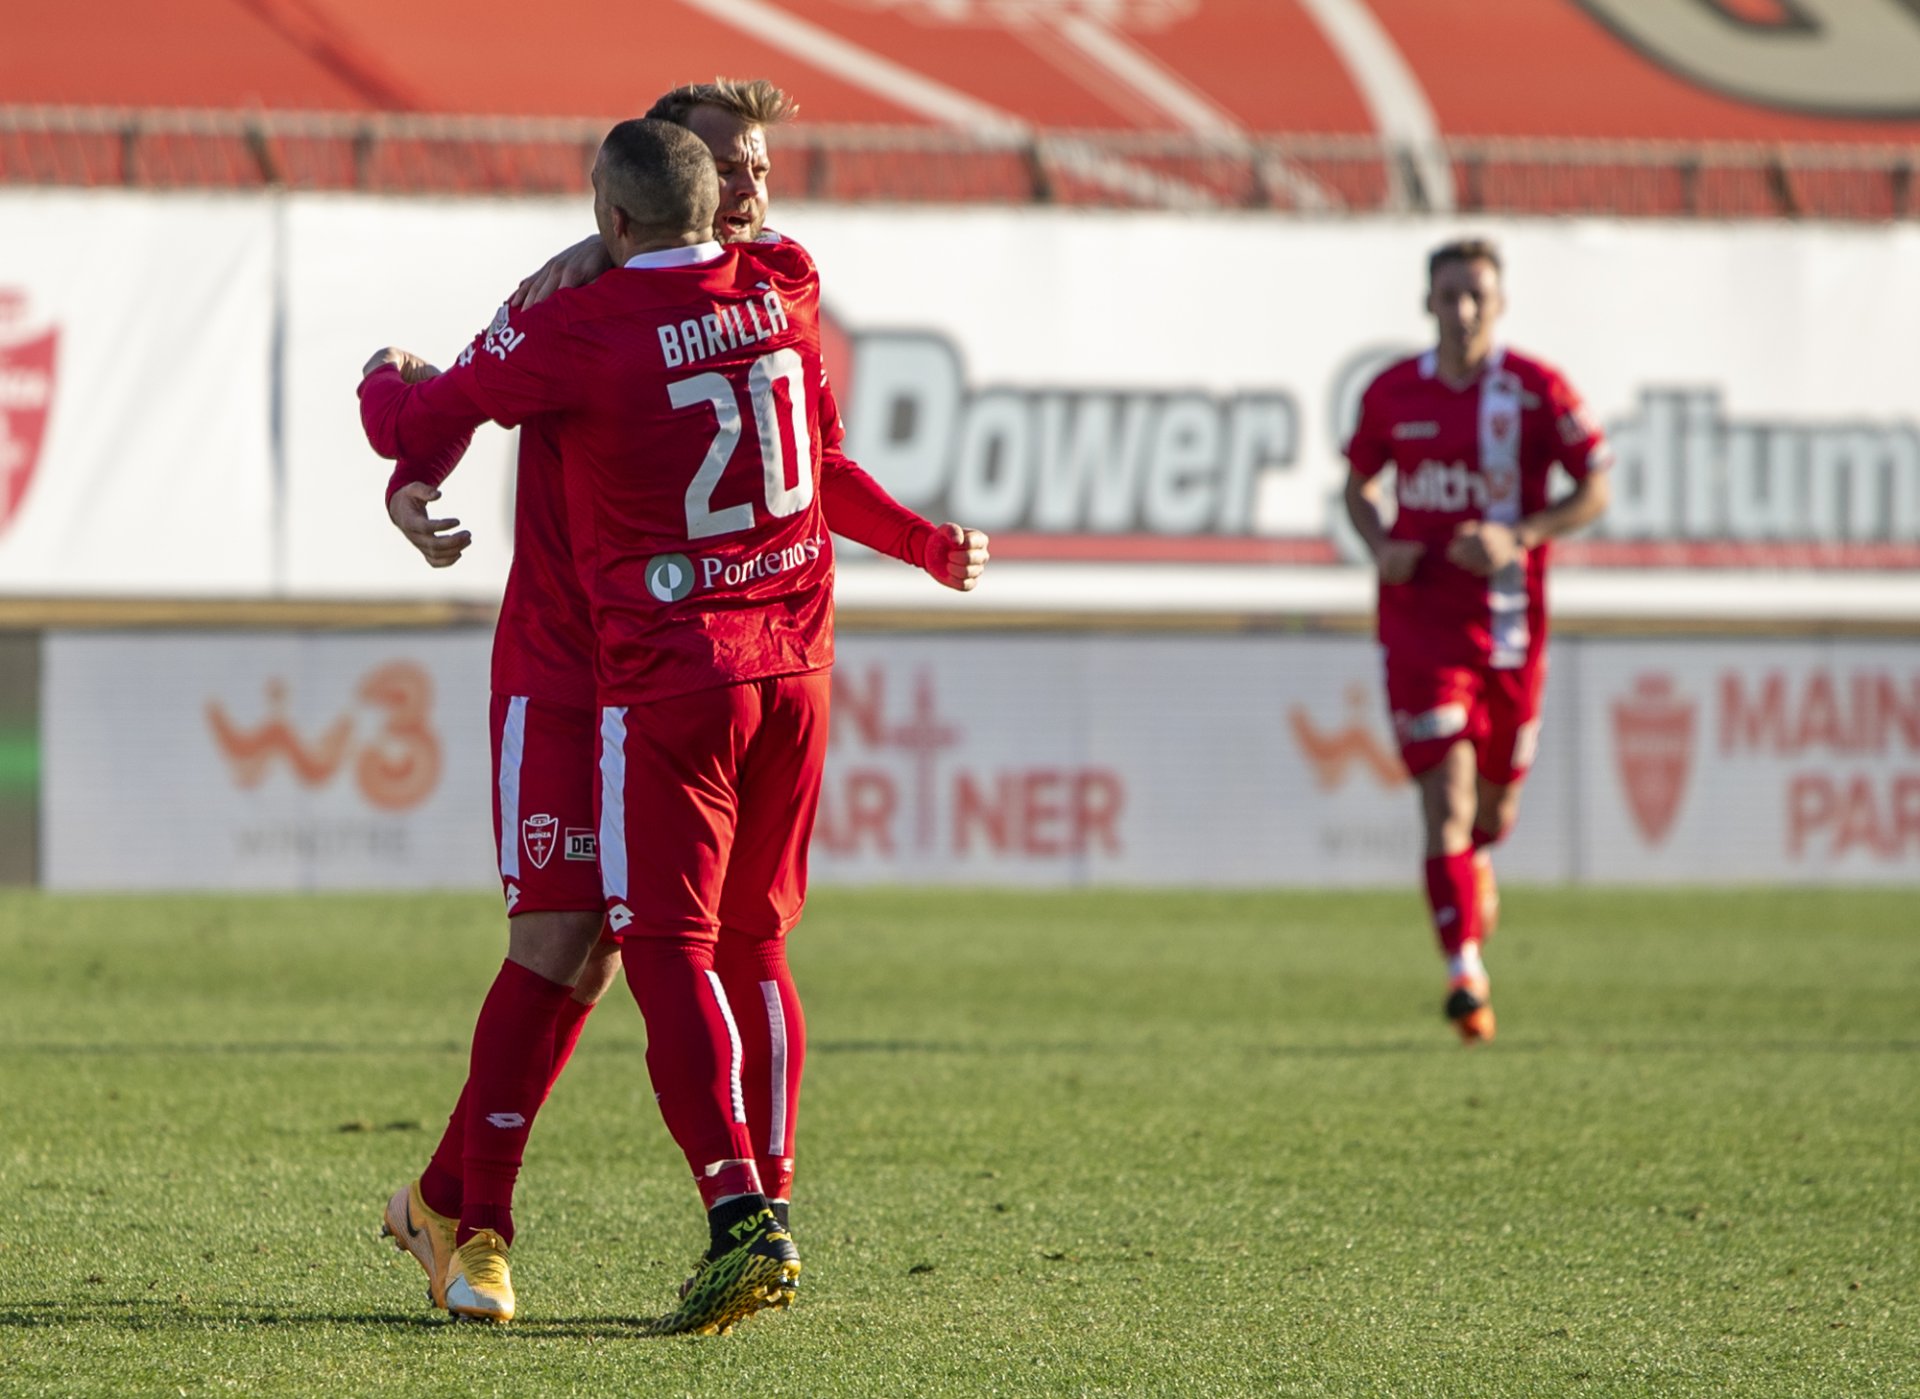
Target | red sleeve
(857,507)
(519,366)
(1578,443)
(1370,449)
(432,468)
(417,422)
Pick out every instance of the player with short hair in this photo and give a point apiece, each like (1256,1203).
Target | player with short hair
(685,391)
(1471,430)
(543,728)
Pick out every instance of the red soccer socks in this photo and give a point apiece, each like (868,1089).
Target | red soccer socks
(1453,895)
(773,1039)
(694,1057)
(507,1080)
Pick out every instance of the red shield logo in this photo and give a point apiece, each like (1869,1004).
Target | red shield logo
(1502,425)
(26,395)
(1653,739)
(537,833)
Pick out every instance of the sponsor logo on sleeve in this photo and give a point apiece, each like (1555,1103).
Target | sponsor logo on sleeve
(501,338)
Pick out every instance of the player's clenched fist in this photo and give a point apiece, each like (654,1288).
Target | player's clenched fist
(412,368)
(1397,559)
(408,511)
(1483,547)
(956,556)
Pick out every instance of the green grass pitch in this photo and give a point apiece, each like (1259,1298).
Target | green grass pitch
(1086,1144)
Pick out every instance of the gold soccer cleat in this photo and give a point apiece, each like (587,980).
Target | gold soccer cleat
(478,1283)
(427,1236)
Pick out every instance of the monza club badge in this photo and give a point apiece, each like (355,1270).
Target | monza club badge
(538,834)
(26,396)
(1653,740)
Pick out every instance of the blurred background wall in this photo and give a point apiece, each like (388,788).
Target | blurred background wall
(1104,277)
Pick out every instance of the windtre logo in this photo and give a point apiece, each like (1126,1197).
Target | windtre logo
(396,765)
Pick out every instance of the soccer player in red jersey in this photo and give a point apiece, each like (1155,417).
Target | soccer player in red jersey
(1471,430)
(543,729)
(685,391)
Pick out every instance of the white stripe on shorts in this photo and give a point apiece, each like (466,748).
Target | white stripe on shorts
(777,1038)
(613,802)
(513,748)
(733,1040)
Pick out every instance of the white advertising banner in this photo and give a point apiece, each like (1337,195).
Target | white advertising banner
(1070,759)
(136,385)
(360,761)
(1054,760)
(425,275)
(193,761)
(1101,390)
(1745,762)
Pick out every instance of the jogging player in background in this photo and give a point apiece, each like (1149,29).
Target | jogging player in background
(1470,431)
(543,729)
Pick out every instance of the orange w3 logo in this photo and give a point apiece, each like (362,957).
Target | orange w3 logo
(396,768)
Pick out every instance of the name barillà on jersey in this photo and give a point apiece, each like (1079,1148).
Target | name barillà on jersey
(724,329)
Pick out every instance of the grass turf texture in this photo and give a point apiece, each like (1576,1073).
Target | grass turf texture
(1146,1144)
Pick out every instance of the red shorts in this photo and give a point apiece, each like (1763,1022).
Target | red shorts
(707,804)
(543,829)
(1497,711)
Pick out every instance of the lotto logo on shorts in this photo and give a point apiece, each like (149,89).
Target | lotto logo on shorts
(537,834)
(581,844)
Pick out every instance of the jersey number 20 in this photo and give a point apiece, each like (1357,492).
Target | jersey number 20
(715,390)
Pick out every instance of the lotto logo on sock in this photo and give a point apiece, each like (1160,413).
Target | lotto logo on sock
(506,1121)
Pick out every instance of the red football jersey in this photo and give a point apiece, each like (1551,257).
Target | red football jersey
(685,394)
(1478,453)
(543,644)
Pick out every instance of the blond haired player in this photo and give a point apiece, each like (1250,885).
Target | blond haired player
(456,1217)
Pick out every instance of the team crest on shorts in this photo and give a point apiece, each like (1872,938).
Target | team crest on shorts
(538,834)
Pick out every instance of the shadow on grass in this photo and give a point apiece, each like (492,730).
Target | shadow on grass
(1015,1048)
(139,1314)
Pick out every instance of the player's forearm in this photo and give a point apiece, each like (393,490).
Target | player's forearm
(857,507)
(431,469)
(1364,513)
(420,421)
(1579,508)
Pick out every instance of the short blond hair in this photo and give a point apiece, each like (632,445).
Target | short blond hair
(1463,250)
(754,100)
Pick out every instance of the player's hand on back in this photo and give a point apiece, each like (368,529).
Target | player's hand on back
(433,538)
(575,267)
(1397,559)
(412,368)
(956,556)
(1482,547)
